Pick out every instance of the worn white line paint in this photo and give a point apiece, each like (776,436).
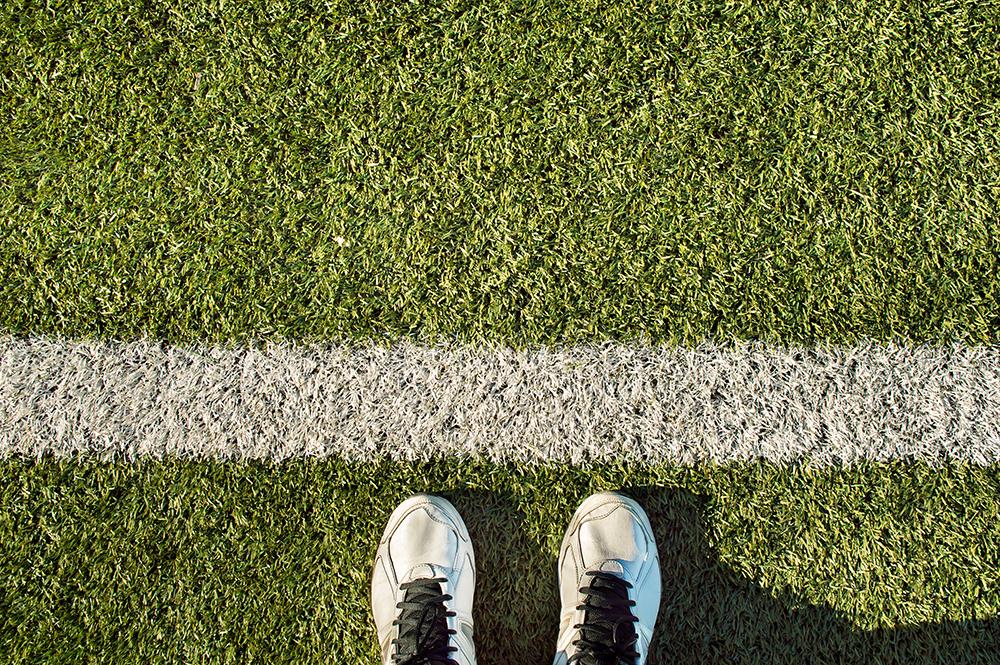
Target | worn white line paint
(711,403)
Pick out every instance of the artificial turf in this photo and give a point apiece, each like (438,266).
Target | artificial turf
(523,172)
(210,562)
(551,172)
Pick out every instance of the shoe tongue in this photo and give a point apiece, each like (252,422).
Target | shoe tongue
(612,566)
(423,571)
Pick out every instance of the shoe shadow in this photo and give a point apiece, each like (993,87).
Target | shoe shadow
(710,613)
(515,572)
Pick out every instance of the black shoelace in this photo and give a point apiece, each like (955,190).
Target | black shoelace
(607,634)
(424,637)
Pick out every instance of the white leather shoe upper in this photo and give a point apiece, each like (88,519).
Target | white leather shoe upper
(425,538)
(609,532)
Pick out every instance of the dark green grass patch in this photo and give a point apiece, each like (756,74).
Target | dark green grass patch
(213,562)
(525,173)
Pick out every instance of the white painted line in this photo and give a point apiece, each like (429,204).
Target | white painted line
(712,403)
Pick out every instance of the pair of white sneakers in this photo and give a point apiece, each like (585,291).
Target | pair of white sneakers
(424,582)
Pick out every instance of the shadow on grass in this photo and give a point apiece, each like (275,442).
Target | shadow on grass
(709,613)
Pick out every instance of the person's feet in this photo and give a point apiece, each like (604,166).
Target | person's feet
(423,585)
(609,584)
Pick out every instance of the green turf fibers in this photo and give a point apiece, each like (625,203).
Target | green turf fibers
(520,173)
(214,562)
(517,172)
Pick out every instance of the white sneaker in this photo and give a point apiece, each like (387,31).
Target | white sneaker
(423,585)
(609,584)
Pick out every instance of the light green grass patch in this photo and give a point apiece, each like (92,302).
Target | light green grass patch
(556,171)
(192,562)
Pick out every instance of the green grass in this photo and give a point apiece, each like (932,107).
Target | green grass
(523,173)
(518,173)
(198,562)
